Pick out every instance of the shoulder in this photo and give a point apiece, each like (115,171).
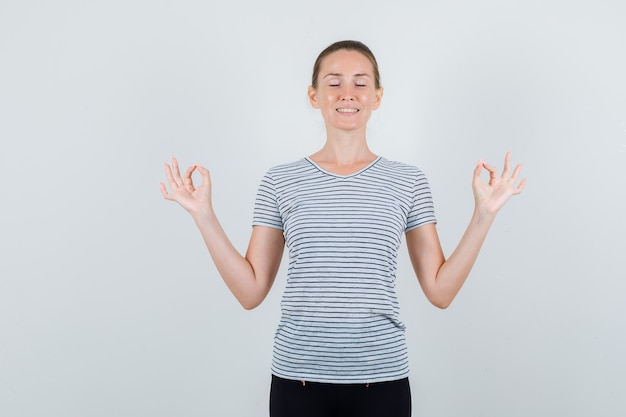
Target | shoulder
(289,167)
(398,165)
(285,175)
(399,169)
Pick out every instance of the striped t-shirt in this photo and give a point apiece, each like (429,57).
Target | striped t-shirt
(339,312)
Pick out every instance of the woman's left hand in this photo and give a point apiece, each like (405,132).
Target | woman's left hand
(492,195)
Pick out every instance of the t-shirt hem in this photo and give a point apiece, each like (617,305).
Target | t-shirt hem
(408,229)
(273,226)
(343,380)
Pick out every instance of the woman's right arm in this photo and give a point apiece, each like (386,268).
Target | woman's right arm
(248,277)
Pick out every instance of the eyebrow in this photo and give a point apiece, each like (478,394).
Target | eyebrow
(335,74)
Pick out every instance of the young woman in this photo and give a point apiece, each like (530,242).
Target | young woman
(339,348)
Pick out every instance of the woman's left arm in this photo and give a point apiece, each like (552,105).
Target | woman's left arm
(442,279)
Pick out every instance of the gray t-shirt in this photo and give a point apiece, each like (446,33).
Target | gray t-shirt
(340,315)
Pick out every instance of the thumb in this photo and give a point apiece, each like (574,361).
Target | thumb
(206,176)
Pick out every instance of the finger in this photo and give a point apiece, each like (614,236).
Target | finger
(176,173)
(166,195)
(170,177)
(516,172)
(507,164)
(188,179)
(206,177)
(520,187)
(477,171)
(492,169)
(493,172)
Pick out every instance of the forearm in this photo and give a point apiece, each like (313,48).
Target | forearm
(454,271)
(235,269)
(442,279)
(249,278)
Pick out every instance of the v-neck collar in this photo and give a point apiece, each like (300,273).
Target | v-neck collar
(365,168)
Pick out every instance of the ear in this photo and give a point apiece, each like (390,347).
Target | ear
(313,97)
(379,97)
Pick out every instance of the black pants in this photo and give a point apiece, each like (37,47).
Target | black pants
(290,398)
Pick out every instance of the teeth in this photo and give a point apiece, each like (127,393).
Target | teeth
(347,110)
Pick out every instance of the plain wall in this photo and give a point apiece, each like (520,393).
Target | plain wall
(109,303)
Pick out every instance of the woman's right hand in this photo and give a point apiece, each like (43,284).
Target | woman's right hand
(191,198)
(249,278)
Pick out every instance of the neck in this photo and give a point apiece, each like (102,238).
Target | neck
(344,152)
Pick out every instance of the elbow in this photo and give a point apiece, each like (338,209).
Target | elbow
(440,297)
(249,304)
(441,302)
(249,300)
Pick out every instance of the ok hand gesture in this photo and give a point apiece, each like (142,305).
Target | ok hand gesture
(191,198)
(492,195)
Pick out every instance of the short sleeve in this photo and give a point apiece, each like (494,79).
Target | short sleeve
(266,212)
(423,210)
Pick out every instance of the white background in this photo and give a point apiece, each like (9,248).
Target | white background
(109,303)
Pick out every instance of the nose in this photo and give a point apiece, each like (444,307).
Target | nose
(347,95)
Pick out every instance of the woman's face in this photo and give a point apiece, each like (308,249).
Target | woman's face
(346,93)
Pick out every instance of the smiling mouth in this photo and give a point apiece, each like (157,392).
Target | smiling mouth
(347,110)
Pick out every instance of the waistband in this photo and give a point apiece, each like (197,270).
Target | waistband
(304,382)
